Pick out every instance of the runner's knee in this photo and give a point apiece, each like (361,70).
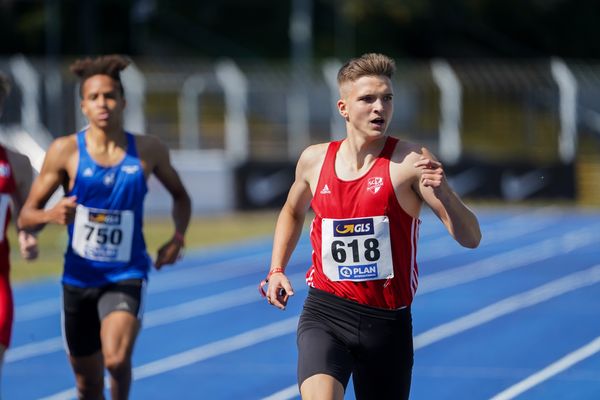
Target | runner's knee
(117,363)
(90,388)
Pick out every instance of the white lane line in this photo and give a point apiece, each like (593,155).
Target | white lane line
(34,349)
(446,246)
(429,283)
(555,288)
(174,279)
(206,305)
(213,272)
(519,257)
(245,265)
(166,315)
(571,282)
(551,370)
(204,352)
(38,309)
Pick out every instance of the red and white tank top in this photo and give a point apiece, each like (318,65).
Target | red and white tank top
(364,244)
(7,187)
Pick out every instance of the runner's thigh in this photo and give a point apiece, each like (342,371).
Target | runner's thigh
(320,351)
(124,295)
(81,323)
(384,362)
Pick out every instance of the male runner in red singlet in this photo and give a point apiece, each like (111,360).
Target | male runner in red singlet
(366,192)
(15,180)
(103,170)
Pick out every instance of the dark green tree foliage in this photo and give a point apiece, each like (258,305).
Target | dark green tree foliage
(259,29)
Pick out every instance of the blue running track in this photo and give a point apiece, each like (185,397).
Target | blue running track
(517,318)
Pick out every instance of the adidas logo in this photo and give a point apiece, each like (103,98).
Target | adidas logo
(88,172)
(325,190)
(122,306)
(130,169)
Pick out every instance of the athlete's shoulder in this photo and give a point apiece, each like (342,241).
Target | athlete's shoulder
(314,152)
(311,160)
(406,152)
(313,156)
(148,143)
(150,147)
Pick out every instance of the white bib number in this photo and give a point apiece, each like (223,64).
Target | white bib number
(4,203)
(357,249)
(103,235)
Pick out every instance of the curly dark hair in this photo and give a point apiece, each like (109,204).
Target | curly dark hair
(110,65)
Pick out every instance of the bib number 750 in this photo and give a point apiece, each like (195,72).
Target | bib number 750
(104,235)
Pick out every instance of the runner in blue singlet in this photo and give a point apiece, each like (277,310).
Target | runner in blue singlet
(104,170)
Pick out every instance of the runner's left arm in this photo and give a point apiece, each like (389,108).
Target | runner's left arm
(182,205)
(434,189)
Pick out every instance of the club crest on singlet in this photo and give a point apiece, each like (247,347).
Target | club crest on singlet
(109,179)
(374,184)
(356,249)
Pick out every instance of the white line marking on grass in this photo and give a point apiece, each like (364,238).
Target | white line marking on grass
(506,306)
(204,352)
(553,369)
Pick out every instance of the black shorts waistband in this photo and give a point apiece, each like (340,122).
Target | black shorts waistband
(353,306)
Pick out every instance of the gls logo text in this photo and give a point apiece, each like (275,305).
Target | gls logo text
(353,227)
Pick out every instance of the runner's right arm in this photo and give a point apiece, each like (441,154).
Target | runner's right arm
(289,226)
(52,175)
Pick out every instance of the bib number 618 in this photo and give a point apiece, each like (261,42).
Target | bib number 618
(371,250)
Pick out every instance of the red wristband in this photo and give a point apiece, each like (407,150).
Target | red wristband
(276,270)
(178,236)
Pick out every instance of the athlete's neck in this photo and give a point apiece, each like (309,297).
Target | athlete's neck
(358,151)
(105,141)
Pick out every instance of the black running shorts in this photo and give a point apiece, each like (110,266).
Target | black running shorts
(339,337)
(84,309)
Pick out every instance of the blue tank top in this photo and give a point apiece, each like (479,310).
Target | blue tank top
(106,243)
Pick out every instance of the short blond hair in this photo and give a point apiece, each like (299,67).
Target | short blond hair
(370,64)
